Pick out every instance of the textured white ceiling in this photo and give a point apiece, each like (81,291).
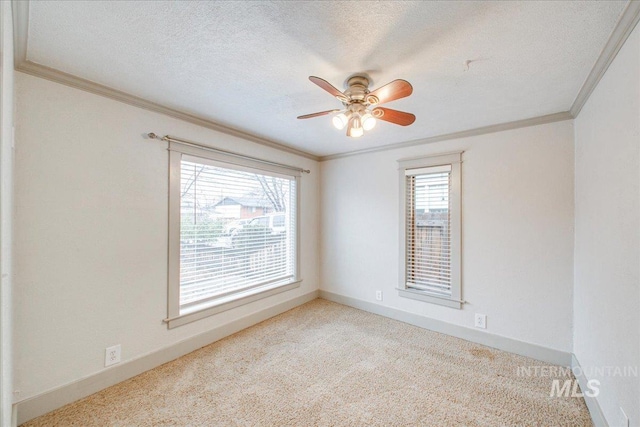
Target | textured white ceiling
(245,64)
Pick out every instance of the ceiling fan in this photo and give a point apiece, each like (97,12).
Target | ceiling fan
(361,105)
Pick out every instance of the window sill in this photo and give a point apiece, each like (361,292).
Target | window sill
(427,297)
(228,303)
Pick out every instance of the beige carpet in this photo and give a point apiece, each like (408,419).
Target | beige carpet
(324,364)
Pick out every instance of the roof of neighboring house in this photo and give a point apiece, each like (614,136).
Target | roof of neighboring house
(247,201)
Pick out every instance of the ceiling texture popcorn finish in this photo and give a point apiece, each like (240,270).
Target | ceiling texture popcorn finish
(244,65)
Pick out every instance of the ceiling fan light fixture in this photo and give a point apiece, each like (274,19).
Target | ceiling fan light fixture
(340,121)
(355,132)
(355,126)
(368,121)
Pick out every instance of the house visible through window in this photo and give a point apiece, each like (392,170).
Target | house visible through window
(431,229)
(225,251)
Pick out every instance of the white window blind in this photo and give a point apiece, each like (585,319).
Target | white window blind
(237,231)
(428,229)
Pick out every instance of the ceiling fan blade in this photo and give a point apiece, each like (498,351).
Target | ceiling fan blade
(321,113)
(328,87)
(390,92)
(394,116)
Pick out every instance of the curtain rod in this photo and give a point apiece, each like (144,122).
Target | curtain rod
(169,138)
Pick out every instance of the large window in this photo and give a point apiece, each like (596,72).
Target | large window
(232,233)
(431,229)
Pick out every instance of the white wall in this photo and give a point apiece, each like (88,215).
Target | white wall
(6,210)
(607,240)
(91,232)
(517,231)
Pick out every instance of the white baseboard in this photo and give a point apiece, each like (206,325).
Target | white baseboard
(58,397)
(511,345)
(48,401)
(538,352)
(597,416)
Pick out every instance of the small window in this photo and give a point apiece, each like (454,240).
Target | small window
(217,257)
(431,229)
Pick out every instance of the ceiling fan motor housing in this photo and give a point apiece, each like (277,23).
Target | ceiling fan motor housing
(358,88)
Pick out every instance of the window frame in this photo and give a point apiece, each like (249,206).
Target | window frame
(227,302)
(454,159)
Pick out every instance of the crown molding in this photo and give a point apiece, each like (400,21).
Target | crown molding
(61,77)
(22,64)
(625,25)
(534,121)
(57,76)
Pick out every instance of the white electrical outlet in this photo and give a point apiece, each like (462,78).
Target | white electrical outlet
(481,321)
(625,419)
(112,355)
(379,295)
